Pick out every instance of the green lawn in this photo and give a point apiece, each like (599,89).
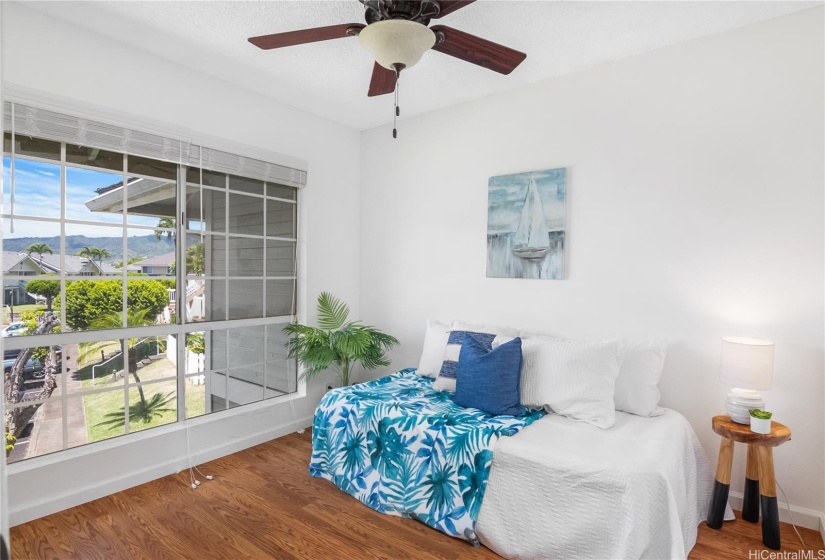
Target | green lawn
(90,357)
(99,425)
(18,309)
(195,399)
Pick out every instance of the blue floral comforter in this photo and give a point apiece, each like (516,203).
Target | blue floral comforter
(403,448)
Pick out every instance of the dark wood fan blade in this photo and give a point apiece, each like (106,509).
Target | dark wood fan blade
(474,49)
(382,82)
(449,6)
(302,36)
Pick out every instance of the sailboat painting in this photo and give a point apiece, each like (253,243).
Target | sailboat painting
(526,225)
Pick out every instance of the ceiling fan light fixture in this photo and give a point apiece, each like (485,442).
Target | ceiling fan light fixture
(397,42)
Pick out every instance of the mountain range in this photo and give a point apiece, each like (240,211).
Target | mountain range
(139,246)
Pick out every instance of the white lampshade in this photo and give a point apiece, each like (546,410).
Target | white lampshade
(397,42)
(747,363)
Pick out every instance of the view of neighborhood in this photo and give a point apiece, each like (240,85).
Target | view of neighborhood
(151,362)
(111,387)
(89,247)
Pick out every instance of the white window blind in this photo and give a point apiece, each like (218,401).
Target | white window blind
(51,125)
(41,123)
(224,162)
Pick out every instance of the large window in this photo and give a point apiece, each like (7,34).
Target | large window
(119,316)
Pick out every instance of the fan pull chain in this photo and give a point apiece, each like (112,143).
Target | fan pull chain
(397,109)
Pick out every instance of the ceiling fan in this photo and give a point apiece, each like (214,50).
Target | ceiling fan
(397,35)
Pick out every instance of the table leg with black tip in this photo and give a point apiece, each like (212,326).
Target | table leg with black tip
(721,487)
(750,505)
(767,497)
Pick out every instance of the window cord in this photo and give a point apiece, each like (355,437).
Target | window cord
(12,173)
(790,514)
(194,482)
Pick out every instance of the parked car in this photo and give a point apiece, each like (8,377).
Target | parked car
(31,369)
(14,329)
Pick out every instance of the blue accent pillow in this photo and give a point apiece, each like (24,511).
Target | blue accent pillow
(489,379)
(452,352)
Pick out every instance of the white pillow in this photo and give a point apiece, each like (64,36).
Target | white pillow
(528,334)
(446,376)
(432,355)
(571,378)
(637,390)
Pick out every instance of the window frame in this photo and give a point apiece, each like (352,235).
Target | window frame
(181,328)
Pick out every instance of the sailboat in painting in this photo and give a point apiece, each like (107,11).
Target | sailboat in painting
(532,240)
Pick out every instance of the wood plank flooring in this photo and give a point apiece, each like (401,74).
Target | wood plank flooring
(263,504)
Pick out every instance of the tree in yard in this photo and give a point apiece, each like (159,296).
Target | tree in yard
(30,319)
(102,254)
(39,249)
(94,254)
(10,439)
(86,300)
(195,260)
(134,318)
(143,410)
(196,343)
(87,252)
(49,289)
(165,223)
(17,418)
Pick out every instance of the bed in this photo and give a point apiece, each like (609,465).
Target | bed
(531,486)
(404,448)
(637,490)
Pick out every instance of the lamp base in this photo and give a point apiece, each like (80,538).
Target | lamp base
(740,401)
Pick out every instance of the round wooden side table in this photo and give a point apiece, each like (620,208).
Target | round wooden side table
(759,476)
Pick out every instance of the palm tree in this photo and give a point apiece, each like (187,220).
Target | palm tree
(90,253)
(102,254)
(195,259)
(165,223)
(87,252)
(39,249)
(94,254)
(134,318)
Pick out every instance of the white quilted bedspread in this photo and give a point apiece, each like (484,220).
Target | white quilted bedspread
(562,489)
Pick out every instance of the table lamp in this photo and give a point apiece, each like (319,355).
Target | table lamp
(747,366)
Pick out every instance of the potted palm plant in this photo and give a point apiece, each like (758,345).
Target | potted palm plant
(336,342)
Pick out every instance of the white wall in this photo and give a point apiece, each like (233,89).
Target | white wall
(695,211)
(47,55)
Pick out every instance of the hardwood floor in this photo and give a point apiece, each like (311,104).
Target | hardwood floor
(263,504)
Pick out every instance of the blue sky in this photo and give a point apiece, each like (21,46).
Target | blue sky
(506,194)
(37,193)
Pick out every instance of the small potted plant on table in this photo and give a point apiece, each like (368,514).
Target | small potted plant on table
(760,421)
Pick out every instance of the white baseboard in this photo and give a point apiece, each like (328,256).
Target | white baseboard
(124,480)
(802,517)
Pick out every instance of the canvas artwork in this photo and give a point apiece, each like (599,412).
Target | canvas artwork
(526,225)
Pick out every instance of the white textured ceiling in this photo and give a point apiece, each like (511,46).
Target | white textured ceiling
(330,79)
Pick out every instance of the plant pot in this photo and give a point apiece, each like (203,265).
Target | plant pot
(761,425)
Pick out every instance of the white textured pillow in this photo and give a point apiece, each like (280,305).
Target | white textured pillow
(432,355)
(446,376)
(637,390)
(571,378)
